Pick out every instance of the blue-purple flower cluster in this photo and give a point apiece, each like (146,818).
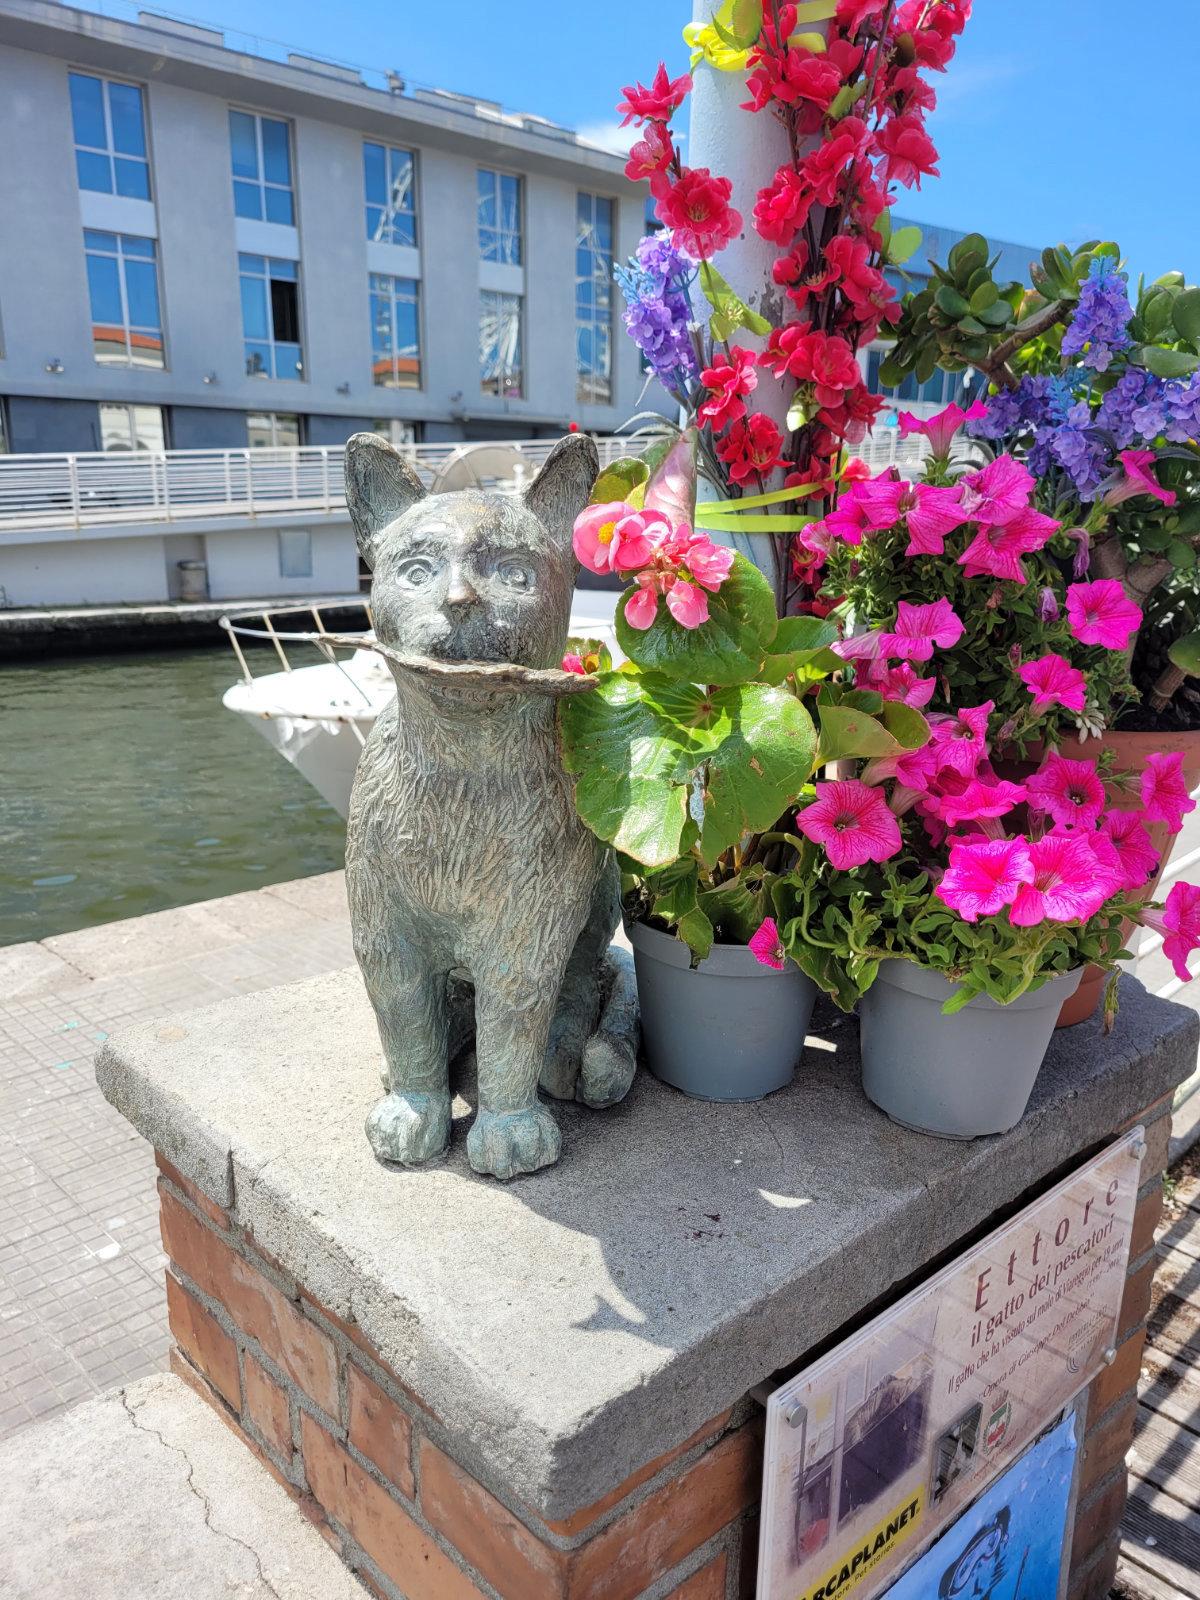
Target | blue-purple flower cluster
(1098,327)
(655,285)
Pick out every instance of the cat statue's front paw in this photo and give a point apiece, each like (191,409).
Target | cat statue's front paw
(506,1143)
(410,1128)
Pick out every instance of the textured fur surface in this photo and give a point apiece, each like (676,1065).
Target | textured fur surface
(473,885)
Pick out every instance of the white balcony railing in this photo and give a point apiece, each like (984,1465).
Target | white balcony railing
(95,490)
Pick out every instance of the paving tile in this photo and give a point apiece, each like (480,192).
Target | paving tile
(82,1306)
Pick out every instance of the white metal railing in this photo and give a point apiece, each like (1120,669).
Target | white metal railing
(93,490)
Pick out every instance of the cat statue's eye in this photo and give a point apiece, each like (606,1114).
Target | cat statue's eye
(416,572)
(515,575)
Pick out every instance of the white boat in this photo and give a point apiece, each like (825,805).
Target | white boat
(318,712)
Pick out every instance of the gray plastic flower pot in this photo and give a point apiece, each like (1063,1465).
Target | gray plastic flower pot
(730,1029)
(958,1077)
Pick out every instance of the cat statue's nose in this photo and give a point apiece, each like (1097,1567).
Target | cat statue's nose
(459,593)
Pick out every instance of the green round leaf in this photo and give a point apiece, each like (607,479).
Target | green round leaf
(1185,314)
(1185,654)
(1167,363)
(726,649)
(618,481)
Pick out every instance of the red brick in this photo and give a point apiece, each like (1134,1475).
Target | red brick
(267,1406)
(205,1341)
(369,1584)
(294,1343)
(379,1428)
(672,1522)
(182,1368)
(1121,1378)
(215,1214)
(1096,1582)
(357,1337)
(707,1584)
(1097,1521)
(1158,1148)
(1145,1220)
(394,1542)
(578,1520)
(1105,1448)
(1136,1302)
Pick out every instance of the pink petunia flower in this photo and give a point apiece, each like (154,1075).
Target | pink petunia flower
(766,946)
(976,801)
(1066,885)
(1179,924)
(937,511)
(996,493)
(961,740)
(894,683)
(919,628)
(614,537)
(1135,853)
(997,548)
(984,876)
(1138,479)
(1071,792)
(1101,613)
(1165,795)
(851,820)
(1053,681)
(940,429)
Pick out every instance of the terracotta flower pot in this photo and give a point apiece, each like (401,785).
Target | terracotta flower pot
(1130,753)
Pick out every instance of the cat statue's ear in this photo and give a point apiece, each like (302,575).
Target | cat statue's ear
(380,485)
(560,491)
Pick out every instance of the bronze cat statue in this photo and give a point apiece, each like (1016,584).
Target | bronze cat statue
(480,903)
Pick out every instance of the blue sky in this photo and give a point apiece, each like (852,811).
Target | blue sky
(1059,119)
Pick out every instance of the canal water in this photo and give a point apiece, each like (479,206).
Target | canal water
(126,787)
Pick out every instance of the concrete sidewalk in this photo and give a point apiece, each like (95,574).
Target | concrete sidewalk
(82,1308)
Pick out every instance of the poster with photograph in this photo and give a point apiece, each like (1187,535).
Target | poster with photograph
(874,1450)
(1009,1545)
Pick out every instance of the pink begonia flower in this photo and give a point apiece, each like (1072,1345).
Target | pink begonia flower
(977,801)
(961,740)
(852,821)
(687,604)
(1165,795)
(708,563)
(984,876)
(678,562)
(937,512)
(997,548)
(1136,856)
(1053,681)
(1101,613)
(1179,924)
(642,607)
(940,429)
(1066,886)
(894,683)
(616,537)
(766,946)
(1071,792)
(919,628)
(573,663)
(997,493)
(1138,479)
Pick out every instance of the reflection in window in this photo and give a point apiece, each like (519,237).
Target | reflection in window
(295,553)
(500,343)
(395,332)
(122,273)
(132,428)
(399,433)
(110,136)
(499,217)
(271,317)
(272,430)
(262,168)
(593,299)
(390,194)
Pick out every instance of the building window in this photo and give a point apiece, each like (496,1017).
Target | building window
(272,430)
(262,168)
(499,217)
(132,428)
(390,194)
(110,136)
(122,274)
(271,317)
(938,390)
(500,343)
(395,332)
(400,434)
(650,221)
(4,430)
(593,299)
(295,553)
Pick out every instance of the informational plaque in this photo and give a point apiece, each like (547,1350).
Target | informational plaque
(881,1444)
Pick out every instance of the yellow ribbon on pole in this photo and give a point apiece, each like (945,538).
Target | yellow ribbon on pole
(741,516)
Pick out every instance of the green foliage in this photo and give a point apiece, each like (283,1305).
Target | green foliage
(729,312)
(620,481)
(726,649)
